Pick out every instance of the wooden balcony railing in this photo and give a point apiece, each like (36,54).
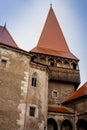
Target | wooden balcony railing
(64,74)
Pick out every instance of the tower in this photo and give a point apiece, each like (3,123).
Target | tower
(52,51)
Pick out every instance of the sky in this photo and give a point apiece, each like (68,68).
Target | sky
(25,20)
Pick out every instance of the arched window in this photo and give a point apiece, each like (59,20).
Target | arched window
(34,80)
(74,66)
(59,63)
(34,58)
(42,60)
(66,64)
(51,61)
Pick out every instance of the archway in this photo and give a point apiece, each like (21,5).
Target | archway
(66,125)
(51,124)
(81,124)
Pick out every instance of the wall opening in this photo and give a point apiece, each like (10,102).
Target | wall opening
(51,124)
(81,124)
(66,125)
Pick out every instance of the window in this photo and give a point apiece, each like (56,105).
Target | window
(66,64)
(74,66)
(52,63)
(3,63)
(32,111)
(34,80)
(54,94)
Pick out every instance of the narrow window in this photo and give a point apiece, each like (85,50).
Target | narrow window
(32,111)
(34,80)
(3,63)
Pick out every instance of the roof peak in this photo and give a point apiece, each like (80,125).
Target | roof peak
(52,37)
(6,38)
(50,5)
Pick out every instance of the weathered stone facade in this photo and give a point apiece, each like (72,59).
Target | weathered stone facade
(13,87)
(17,94)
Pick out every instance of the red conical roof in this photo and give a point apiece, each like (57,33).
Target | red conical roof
(6,38)
(52,41)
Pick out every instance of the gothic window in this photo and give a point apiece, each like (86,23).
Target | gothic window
(59,63)
(42,60)
(66,64)
(34,81)
(51,61)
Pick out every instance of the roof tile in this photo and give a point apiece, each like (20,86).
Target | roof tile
(58,109)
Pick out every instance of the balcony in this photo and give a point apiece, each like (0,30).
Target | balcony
(64,74)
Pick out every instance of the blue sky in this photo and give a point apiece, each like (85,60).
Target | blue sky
(25,20)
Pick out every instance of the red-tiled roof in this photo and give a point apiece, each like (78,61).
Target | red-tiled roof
(58,109)
(54,52)
(52,41)
(81,92)
(6,38)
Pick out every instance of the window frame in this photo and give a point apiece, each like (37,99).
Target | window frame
(35,112)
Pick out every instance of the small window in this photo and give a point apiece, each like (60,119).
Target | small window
(54,94)
(3,63)
(34,80)
(32,111)
(52,63)
(74,66)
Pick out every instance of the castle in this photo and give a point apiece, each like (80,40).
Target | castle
(38,89)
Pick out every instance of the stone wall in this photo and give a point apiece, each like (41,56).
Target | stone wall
(37,98)
(63,91)
(14,73)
